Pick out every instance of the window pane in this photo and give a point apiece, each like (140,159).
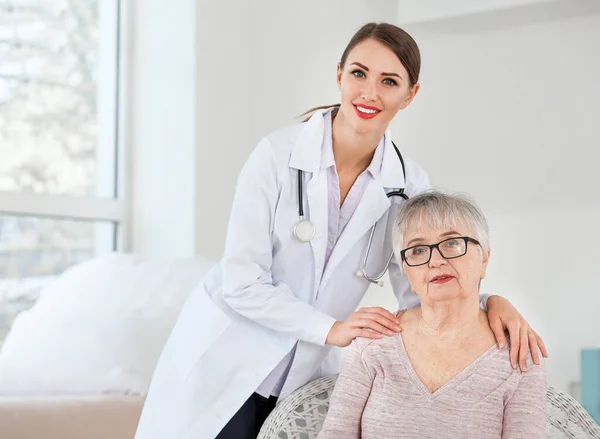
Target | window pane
(58,71)
(33,251)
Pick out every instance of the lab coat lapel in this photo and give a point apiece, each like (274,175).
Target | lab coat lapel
(373,205)
(316,191)
(306,156)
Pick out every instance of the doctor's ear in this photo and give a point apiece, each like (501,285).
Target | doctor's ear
(410,96)
(338,76)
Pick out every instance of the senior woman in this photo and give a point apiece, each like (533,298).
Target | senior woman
(443,376)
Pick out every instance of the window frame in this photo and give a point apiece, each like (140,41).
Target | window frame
(90,207)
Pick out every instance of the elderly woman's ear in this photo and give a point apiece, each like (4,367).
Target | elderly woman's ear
(486,260)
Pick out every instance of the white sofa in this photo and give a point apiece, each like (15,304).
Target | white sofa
(69,416)
(78,364)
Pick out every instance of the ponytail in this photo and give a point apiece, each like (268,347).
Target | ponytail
(313,110)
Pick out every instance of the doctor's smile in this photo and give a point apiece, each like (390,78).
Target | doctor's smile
(366,112)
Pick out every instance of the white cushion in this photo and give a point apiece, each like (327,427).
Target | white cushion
(99,328)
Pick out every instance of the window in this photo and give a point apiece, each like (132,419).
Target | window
(60,163)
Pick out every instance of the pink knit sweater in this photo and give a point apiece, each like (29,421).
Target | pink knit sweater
(378,395)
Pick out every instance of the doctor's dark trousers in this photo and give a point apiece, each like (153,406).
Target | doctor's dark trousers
(246,423)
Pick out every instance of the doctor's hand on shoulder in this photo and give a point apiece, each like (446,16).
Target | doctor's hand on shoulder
(372,323)
(503,316)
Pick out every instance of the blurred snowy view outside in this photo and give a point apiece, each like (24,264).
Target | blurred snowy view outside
(49,56)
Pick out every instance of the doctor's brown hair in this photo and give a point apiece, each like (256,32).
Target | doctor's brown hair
(400,42)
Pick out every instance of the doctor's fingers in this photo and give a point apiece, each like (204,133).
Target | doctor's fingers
(365,333)
(388,324)
(540,343)
(359,323)
(383,316)
(514,332)
(523,348)
(378,310)
(533,345)
(498,330)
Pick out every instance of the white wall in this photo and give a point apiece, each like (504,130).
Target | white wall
(410,11)
(510,116)
(461,16)
(160,62)
(223,120)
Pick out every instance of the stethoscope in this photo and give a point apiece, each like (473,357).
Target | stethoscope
(304,230)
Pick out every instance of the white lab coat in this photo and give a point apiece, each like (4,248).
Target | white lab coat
(271,291)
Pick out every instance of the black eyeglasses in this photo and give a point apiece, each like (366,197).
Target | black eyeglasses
(449,249)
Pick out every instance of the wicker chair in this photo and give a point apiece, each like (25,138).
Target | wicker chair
(301,415)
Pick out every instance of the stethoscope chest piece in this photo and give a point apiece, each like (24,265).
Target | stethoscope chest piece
(304,230)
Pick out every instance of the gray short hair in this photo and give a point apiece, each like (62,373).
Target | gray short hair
(435,209)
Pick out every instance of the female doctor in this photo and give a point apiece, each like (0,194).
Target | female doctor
(268,317)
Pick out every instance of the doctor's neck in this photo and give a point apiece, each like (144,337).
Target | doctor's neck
(353,150)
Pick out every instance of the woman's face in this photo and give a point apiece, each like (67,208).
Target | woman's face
(445,279)
(374,85)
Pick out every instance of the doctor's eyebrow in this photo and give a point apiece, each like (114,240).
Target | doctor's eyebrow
(362,66)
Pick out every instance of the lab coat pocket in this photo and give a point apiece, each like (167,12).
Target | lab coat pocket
(200,324)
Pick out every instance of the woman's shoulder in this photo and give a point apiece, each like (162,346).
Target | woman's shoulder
(274,149)
(530,364)
(373,350)
(285,136)
(417,179)
(278,143)
(302,133)
(407,317)
(500,366)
